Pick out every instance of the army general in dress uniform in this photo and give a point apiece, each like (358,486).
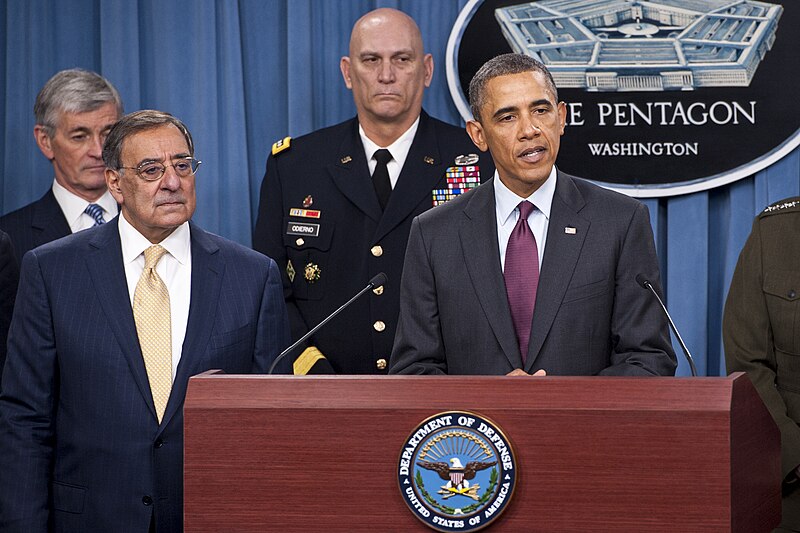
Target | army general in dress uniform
(761,330)
(336,205)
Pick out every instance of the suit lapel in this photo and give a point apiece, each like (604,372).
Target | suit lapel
(421,172)
(478,234)
(48,219)
(350,173)
(562,251)
(107,273)
(207,272)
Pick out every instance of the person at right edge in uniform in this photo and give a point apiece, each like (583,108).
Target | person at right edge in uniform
(337,204)
(761,332)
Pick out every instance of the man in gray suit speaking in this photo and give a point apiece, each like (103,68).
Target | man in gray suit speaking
(533,272)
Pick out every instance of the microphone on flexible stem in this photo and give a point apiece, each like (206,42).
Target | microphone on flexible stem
(645,283)
(377,281)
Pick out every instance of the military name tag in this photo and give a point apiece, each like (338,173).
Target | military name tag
(303,228)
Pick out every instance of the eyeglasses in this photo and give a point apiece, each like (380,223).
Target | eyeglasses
(153,170)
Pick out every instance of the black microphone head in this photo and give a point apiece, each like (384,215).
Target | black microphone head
(378,280)
(641,280)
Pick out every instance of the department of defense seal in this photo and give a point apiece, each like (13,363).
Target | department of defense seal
(457,471)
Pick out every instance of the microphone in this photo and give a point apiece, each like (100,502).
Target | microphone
(377,281)
(645,284)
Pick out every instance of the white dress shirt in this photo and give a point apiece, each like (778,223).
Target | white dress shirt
(399,150)
(174,269)
(73,207)
(505,205)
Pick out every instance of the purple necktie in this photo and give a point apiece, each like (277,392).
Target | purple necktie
(522,276)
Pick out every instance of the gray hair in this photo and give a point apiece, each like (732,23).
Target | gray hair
(504,65)
(73,91)
(133,123)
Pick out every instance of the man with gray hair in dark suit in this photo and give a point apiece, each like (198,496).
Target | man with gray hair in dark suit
(74,112)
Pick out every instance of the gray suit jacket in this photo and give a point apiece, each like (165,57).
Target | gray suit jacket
(591,316)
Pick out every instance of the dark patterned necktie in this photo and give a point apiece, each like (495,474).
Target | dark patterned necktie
(380,177)
(96,212)
(522,276)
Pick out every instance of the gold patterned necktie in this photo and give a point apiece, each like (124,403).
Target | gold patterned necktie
(153,326)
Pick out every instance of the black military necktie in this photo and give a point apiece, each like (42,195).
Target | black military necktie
(380,177)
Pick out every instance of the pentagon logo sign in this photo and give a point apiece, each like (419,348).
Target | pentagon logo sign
(664,97)
(457,471)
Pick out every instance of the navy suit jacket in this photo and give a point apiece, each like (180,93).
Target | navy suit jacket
(9,276)
(81,448)
(35,224)
(591,316)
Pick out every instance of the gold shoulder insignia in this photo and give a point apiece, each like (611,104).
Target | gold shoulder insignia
(302,365)
(281,145)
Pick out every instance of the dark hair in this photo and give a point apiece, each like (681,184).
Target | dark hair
(136,122)
(504,65)
(73,91)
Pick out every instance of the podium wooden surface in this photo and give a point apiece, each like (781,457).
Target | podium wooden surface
(302,453)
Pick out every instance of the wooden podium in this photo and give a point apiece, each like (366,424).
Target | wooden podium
(282,453)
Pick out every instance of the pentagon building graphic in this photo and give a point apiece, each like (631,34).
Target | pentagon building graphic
(644,45)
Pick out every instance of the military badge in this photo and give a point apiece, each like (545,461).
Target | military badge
(346,159)
(429,160)
(465,160)
(460,179)
(304,213)
(281,145)
(307,201)
(457,471)
(312,272)
(290,272)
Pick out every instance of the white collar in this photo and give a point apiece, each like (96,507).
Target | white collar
(178,243)
(73,205)
(507,201)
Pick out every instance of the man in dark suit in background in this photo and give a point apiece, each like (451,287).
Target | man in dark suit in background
(74,112)
(332,215)
(9,276)
(109,325)
(535,271)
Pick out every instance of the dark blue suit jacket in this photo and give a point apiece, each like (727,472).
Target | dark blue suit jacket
(9,276)
(35,224)
(80,445)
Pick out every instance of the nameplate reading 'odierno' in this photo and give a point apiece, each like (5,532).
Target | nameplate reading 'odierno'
(457,471)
